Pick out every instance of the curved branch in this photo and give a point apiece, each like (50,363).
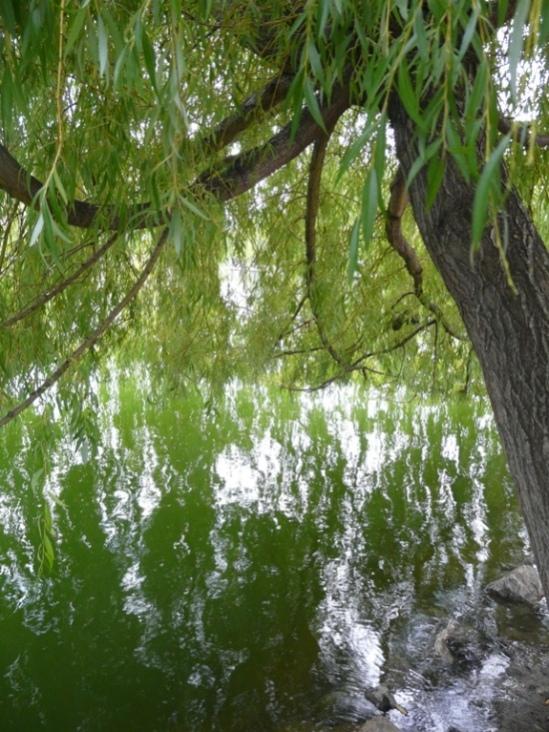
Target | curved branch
(236,174)
(48,295)
(358,364)
(398,202)
(94,336)
(311,213)
(241,172)
(260,162)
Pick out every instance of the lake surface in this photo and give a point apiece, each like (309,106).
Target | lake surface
(252,566)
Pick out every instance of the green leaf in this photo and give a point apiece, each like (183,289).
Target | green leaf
(435,174)
(149,58)
(469,32)
(49,553)
(103,47)
(312,103)
(75,30)
(8,15)
(60,187)
(323,10)
(195,210)
(354,150)
(353,248)
(315,62)
(516,42)
(488,184)
(369,205)
(37,230)
(421,36)
(176,232)
(119,66)
(408,94)
(475,98)
(402,6)
(379,153)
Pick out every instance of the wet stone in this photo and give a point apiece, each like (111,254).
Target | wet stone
(521,585)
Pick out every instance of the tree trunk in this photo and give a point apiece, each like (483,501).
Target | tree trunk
(509,332)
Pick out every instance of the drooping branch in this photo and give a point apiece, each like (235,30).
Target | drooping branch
(311,213)
(398,202)
(93,338)
(49,294)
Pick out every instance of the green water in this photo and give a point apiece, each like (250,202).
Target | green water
(247,567)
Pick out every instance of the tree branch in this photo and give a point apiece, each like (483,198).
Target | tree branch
(398,202)
(241,172)
(48,295)
(311,213)
(228,129)
(236,175)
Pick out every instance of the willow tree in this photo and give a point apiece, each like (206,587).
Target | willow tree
(155,151)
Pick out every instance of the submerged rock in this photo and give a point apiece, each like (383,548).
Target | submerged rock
(378,724)
(521,585)
(382,698)
(458,643)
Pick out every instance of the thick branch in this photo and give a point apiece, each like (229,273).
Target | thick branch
(228,129)
(24,187)
(93,338)
(242,172)
(236,175)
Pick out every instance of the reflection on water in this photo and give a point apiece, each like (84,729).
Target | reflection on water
(251,568)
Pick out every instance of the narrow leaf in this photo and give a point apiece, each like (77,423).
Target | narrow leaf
(369,205)
(353,248)
(487,183)
(312,103)
(516,42)
(102,46)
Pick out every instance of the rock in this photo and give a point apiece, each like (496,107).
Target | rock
(383,699)
(378,724)
(458,644)
(521,585)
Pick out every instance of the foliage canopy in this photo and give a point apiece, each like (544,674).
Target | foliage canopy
(233,164)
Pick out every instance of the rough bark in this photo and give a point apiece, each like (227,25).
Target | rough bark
(509,330)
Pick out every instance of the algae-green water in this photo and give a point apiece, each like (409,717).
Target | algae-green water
(254,563)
